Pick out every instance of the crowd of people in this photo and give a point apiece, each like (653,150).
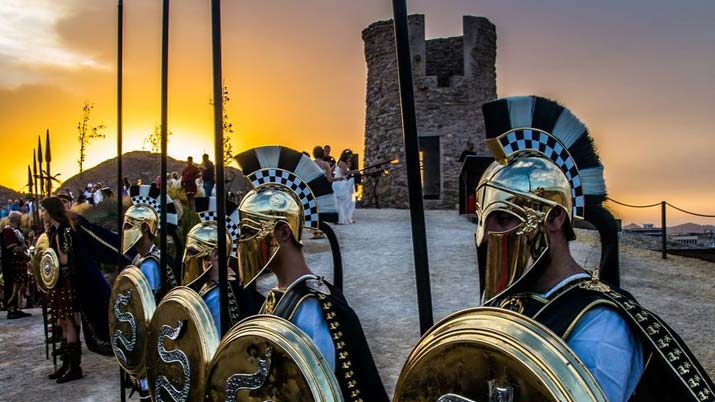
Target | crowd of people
(524,263)
(75,302)
(17,204)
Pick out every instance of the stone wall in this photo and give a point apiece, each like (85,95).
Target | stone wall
(445,58)
(453,77)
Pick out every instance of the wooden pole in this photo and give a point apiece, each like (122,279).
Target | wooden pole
(412,163)
(663,230)
(120,217)
(48,159)
(39,160)
(218,149)
(30,190)
(164,107)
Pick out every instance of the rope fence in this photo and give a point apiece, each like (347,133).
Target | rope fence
(688,212)
(663,209)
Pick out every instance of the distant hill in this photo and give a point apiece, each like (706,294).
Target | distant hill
(140,165)
(632,226)
(690,228)
(7,194)
(677,229)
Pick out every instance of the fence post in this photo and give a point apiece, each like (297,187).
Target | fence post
(663,230)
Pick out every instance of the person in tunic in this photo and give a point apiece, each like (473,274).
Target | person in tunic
(201,260)
(546,175)
(290,194)
(14,265)
(139,232)
(189,175)
(65,301)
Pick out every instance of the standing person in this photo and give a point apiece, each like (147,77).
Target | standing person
(125,186)
(527,202)
(139,232)
(345,191)
(319,159)
(14,266)
(468,150)
(188,180)
(65,302)
(327,157)
(97,195)
(66,200)
(273,216)
(88,195)
(201,260)
(208,175)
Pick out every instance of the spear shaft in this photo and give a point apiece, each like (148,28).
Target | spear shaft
(48,159)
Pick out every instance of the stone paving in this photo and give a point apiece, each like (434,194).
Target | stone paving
(379,284)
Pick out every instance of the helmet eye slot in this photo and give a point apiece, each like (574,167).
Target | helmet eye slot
(249,229)
(501,221)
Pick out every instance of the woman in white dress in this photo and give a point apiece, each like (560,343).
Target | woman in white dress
(344,188)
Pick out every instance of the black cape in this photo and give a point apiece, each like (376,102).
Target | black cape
(354,367)
(93,245)
(671,372)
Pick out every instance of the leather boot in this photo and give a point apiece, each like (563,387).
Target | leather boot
(61,350)
(63,368)
(74,354)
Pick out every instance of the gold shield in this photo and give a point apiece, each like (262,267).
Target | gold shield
(131,306)
(36,254)
(490,354)
(49,269)
(181,340)
(267,358)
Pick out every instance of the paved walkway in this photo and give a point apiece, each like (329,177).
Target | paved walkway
(379,284)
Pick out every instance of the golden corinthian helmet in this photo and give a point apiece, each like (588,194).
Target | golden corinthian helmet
(289,188)
(146,209)
(202,240)
(544,159)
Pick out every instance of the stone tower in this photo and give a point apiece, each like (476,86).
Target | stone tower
(453,77)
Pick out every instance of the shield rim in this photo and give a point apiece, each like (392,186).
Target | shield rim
(199,313)
(134,275)
(313,366)
(49,281)
(527,332)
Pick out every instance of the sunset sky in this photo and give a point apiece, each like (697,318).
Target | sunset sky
(640,74)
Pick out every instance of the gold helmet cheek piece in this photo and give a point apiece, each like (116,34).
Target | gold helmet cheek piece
(130,237)
(511,255)
(257,248)
(200,245)
(262,210)
(193,265)
(132,228)
(514,250)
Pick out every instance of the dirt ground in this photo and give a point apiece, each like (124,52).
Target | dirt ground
(380,285)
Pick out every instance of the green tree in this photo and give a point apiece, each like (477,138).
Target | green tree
(87,132)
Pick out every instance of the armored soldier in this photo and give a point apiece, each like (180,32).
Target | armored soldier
(200,264)
(547,174)
(141,225)
(64,298)
(292,193)
(14,265)
(548,330)
(139,232)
